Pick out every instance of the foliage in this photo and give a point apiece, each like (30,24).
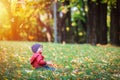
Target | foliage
(78,10)
(73,61)
(23,14)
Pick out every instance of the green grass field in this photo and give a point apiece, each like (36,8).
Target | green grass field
(74,62)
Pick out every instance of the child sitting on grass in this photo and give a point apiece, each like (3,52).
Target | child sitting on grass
(37,59)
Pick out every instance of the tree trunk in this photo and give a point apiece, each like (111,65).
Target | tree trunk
(67,35)
(92,22)
(102,26)
(96,24)
(63,29)
(64,21)
(48,28)
(70,33)
(77,32)
(61,25)
(115,25)
(118,6)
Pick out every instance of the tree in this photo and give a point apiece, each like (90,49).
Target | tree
(25,18)
(64,24)
(92,22)
(55,21)
(96,23)
(102,26)
(115,24)
(47,27)
(79,20)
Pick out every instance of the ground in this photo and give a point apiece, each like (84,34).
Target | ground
(73,61)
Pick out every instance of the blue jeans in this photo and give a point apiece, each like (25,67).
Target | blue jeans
(46,67)
(49,68)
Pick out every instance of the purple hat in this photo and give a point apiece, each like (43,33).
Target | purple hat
(35,47)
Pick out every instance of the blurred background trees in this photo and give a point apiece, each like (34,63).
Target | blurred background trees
(78,21)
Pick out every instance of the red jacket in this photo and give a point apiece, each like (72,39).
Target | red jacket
(37,60)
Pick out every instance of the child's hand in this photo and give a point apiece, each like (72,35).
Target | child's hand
(49,63)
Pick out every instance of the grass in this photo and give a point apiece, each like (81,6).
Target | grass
(74,62)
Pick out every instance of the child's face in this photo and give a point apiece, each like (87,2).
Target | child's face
(40,49)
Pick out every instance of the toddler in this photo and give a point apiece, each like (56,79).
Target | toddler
(37,59)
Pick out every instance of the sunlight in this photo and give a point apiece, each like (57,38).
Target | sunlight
(3,15)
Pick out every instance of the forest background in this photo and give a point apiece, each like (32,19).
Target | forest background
(62,21)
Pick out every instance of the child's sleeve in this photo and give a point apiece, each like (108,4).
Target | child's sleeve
(41,61)
(33,58)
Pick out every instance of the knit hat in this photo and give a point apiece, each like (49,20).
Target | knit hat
(35,47)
